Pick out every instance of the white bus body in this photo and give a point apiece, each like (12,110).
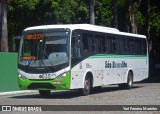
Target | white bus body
(94,56)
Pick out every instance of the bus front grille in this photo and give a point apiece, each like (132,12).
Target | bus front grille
(41,85)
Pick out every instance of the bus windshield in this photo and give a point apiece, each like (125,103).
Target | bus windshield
(49,49)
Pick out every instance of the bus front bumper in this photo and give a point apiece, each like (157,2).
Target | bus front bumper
(45,84)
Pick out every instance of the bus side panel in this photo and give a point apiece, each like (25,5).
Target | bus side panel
(94,66)
(76,79)
(139,67)
(77,76)
(97,65)
(109,69)
(115,70)
(108,76)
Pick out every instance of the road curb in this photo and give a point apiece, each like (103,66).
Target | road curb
(17,92)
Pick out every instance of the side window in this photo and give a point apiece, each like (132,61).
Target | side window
(121,45)
(100,43)
(87,41)
(108,44)
(144,47)
(132,46)
(113,45)
(138,47)
(118,45)
(76,45)
(103,47)
(128,46)
(125,46)
(93,44)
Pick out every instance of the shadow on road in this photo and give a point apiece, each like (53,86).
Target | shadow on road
(69,94)
(111,89)
(151,80)
(54,95)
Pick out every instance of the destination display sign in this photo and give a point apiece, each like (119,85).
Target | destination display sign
(34,36)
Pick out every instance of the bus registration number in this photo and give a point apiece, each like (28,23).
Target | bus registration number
(46,76)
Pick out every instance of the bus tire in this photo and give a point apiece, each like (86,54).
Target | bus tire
(87,87)
(44,93)
(129,83)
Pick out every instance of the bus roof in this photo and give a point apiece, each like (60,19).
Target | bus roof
(86,27)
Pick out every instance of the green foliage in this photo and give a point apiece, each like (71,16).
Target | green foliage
(155,19)
(64,11)
(25,13)
(81,12)
(19,12)
(103,12)
(140,18)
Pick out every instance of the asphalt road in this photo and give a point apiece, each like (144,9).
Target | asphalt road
(144,93)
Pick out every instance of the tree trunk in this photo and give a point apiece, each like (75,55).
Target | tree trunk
(132,17)
(115,13)
(3,26)
(148,26)
(92,19)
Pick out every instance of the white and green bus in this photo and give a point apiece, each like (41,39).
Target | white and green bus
(80,56)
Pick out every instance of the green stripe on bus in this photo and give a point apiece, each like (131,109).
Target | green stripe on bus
(118,56)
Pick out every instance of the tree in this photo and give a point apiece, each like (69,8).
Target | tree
(115,13)
(103,13)
(132,16)
(92,18)
(148,26)
(3,26)
(112,13)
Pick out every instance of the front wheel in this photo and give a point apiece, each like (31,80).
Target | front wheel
(44,93)
(87,87)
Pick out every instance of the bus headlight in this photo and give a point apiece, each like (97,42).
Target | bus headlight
(22,77)
(62,75)
(19,75)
